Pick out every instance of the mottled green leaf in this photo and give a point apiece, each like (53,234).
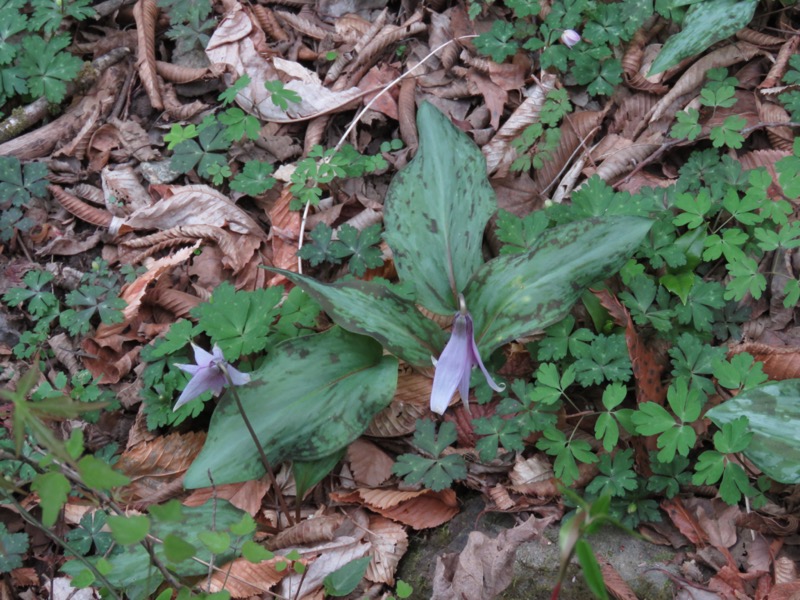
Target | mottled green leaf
(311,397)
(436,210)
(372,309)
(773,413)
(514,295)
(705,24)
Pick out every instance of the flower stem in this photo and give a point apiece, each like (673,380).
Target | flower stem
(261,453)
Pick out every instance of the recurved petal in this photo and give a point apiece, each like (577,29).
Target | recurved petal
(201,357)
(191,369)
(476,358)
(453,366)
(237,377)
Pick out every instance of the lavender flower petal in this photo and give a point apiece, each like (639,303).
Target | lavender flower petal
(237,377)
(206,379)
(451,368)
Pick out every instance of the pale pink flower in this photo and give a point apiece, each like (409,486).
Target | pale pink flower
(570,37)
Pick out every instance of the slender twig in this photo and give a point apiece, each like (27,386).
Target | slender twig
(259,447)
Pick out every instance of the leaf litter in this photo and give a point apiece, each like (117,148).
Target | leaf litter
(111,136)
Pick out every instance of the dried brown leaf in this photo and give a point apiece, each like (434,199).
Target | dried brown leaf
(685,521)
(246,496)
(308,532)
(85,212)
(500,497)
(269,23)
(389,542)
(183,74)
(632,60)
(419,509)
(778,70)
(785,570)
(195,205)
(614,582)
(498,152)
(647,366)
(576,130)
(370,465)
(236,42)
(624,160)
(759,38)
(145,12)
(154,464)
(285,233)
(316,30)
(694,75)
(782,525)
(781,138)
(409,404)
(244,579)
(485,567)
(177,302)
(778,362)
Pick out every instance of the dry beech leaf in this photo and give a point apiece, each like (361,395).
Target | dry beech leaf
(694,75)
(421,509)
(145,12)
(246,496)
(498,152)
(624,160)
(576,130)
(389,543)
(778,362)
(310,531)
(76,206)
(500,497)
(236,41)
(154,464)
(781,138)
(530,470)
(135,291)
(330,556)
(785,570)
(123,183)
(409,404)
(370,465)
(767,159)
(195,205)
(285,232)
(781,526)
(785,591)
(486,566)
(647,369)
(615,584)
(244,579)
(778,70)
(685,521)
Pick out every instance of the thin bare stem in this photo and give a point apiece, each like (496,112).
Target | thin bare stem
(259,447)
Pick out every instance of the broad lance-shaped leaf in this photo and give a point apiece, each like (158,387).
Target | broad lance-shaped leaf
(773,412)
(436,210)
(372,309)
(517,294)
(312,396)
(705,24)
